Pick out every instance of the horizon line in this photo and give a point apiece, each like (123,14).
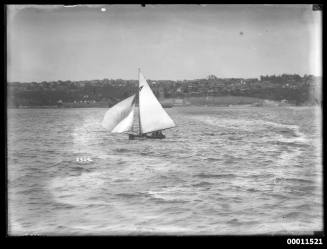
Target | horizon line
(258,77)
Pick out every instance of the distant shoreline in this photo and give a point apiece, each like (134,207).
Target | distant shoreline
(190,105)
(289,89)
(218,101)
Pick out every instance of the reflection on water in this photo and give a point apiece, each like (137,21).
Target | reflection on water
(220,171)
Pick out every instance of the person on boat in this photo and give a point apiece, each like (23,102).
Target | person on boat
(161,135)
(157,134)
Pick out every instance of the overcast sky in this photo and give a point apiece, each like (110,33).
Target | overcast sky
(173,42)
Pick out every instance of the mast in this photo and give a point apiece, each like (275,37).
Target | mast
(138,97)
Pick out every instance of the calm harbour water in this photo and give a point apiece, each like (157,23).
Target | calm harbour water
(233,170)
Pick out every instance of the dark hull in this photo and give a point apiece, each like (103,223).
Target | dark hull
(142,137)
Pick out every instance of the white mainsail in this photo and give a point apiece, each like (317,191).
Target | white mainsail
(119,118)
(152,115)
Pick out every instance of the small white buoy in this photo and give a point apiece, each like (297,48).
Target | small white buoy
(103,9)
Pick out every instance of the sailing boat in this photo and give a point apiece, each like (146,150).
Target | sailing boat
(152,118)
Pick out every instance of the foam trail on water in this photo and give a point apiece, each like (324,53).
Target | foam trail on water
(255,125)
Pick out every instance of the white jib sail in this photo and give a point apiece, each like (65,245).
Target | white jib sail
(126,124)
(152,114)
(119,118)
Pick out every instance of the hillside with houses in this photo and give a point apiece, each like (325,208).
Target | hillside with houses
(286,88)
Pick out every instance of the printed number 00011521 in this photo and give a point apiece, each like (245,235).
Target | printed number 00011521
(304,241)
